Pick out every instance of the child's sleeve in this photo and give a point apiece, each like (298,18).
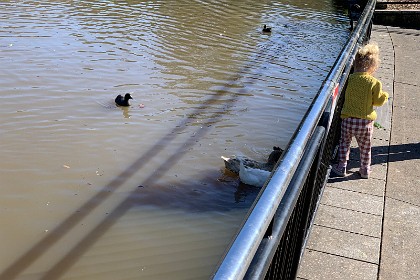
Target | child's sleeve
(380,97)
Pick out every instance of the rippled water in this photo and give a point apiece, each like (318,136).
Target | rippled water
(93,191)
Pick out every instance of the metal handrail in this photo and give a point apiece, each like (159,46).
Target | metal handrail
(269,245)
(241,252)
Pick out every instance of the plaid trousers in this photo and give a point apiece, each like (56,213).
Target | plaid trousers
(362,130)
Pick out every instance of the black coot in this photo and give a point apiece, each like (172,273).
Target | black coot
(123,101)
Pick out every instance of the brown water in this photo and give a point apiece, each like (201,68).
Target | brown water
(93,191)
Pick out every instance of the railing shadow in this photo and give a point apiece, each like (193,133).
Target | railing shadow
(404,152)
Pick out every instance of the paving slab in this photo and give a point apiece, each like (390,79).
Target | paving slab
(379,171)
(351,200)
(346,244)
(406,46)
(321,266)
(372,186)
(350,221)
(401,257)
(381,137)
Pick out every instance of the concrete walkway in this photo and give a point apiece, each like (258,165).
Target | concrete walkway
(370,229)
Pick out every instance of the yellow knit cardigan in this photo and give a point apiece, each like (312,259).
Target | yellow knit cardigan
(363,92)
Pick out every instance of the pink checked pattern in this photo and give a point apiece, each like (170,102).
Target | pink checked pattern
(362,130)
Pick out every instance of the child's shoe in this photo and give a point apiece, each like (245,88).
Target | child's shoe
(364,173)
(339,171)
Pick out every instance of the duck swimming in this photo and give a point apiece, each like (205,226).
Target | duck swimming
(123,101)
(233,163)
(253,176)
(266,29)
(252,172)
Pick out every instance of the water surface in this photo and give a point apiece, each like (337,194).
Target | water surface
(93,191)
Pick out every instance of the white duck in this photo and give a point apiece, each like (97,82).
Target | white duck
(253,172)
(253,176)
(233,163)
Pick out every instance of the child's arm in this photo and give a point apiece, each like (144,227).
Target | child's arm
(380,97)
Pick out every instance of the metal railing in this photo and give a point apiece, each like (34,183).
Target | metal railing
(273,235)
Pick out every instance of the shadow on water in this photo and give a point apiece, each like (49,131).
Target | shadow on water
(195,199)
(135,197)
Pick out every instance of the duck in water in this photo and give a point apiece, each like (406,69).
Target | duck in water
(253,176)
(266,29)
(255,173)
(252,172)
(233,163)
(123,101)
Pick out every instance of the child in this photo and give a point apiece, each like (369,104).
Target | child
(362,93)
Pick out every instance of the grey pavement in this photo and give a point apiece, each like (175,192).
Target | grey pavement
(370,229)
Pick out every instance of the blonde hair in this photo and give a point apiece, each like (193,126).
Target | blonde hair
(367,58)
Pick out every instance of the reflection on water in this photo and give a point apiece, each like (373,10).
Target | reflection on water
(94,191)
